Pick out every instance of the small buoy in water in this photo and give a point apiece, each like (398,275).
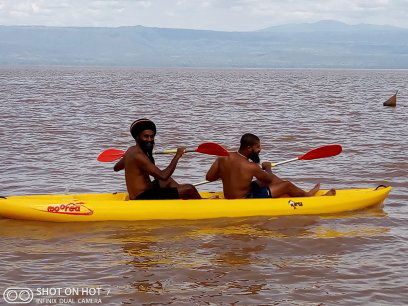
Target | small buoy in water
(391,101)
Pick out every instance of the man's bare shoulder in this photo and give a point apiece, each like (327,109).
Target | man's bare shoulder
(134,152)
(222,158)
(253,167)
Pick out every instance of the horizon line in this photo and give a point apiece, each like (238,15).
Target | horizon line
(208,30)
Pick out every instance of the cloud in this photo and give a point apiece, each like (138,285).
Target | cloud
(200,14)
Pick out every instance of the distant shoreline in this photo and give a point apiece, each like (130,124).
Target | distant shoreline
(195,68)
(327,45)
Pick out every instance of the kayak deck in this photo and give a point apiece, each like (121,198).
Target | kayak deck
(104,207)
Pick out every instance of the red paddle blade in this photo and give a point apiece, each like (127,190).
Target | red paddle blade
(325,151)
(110,155)
(211,148)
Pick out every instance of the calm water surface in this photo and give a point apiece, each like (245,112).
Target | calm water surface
(55,121)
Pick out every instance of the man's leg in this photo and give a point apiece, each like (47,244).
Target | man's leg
(169,183)
(275,180)
(188,191)
(286,187)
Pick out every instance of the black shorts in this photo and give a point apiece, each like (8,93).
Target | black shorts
(258,192)
(157,193)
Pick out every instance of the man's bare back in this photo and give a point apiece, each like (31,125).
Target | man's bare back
(236,173)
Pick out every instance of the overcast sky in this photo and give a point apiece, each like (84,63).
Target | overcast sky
(228,15)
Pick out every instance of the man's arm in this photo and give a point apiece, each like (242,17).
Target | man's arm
(267,166)
(152,169)
(262,176)
(120,165)
(213,172)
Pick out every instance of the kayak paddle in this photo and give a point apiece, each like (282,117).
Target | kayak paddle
(210,148)
(321,152)
(110,155)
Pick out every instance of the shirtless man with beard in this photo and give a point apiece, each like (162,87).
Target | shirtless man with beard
(237,172)
(139,165)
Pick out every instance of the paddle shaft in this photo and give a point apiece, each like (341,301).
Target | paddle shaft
(173,151)
(284,162)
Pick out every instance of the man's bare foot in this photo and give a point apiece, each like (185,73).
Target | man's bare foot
(313,191)
(331,192)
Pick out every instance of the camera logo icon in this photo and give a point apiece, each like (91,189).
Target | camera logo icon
(16,295)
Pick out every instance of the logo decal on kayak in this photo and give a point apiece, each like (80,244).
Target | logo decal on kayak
(72,208)
(294,204)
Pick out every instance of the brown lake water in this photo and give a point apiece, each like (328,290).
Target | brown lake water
(55,121)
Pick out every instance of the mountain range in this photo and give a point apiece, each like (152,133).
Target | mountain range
(324,44)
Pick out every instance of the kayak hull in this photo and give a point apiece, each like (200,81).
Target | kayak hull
(116,207)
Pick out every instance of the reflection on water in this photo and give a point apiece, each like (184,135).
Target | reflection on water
(208,261)
(55,121)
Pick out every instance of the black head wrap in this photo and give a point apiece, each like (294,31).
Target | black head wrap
(141,125)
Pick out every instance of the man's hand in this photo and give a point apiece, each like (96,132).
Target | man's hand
(267,166)
(180,152)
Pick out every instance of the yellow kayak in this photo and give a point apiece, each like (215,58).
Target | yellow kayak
(104,207)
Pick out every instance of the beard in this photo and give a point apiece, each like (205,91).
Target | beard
(254,157)
(147,148)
